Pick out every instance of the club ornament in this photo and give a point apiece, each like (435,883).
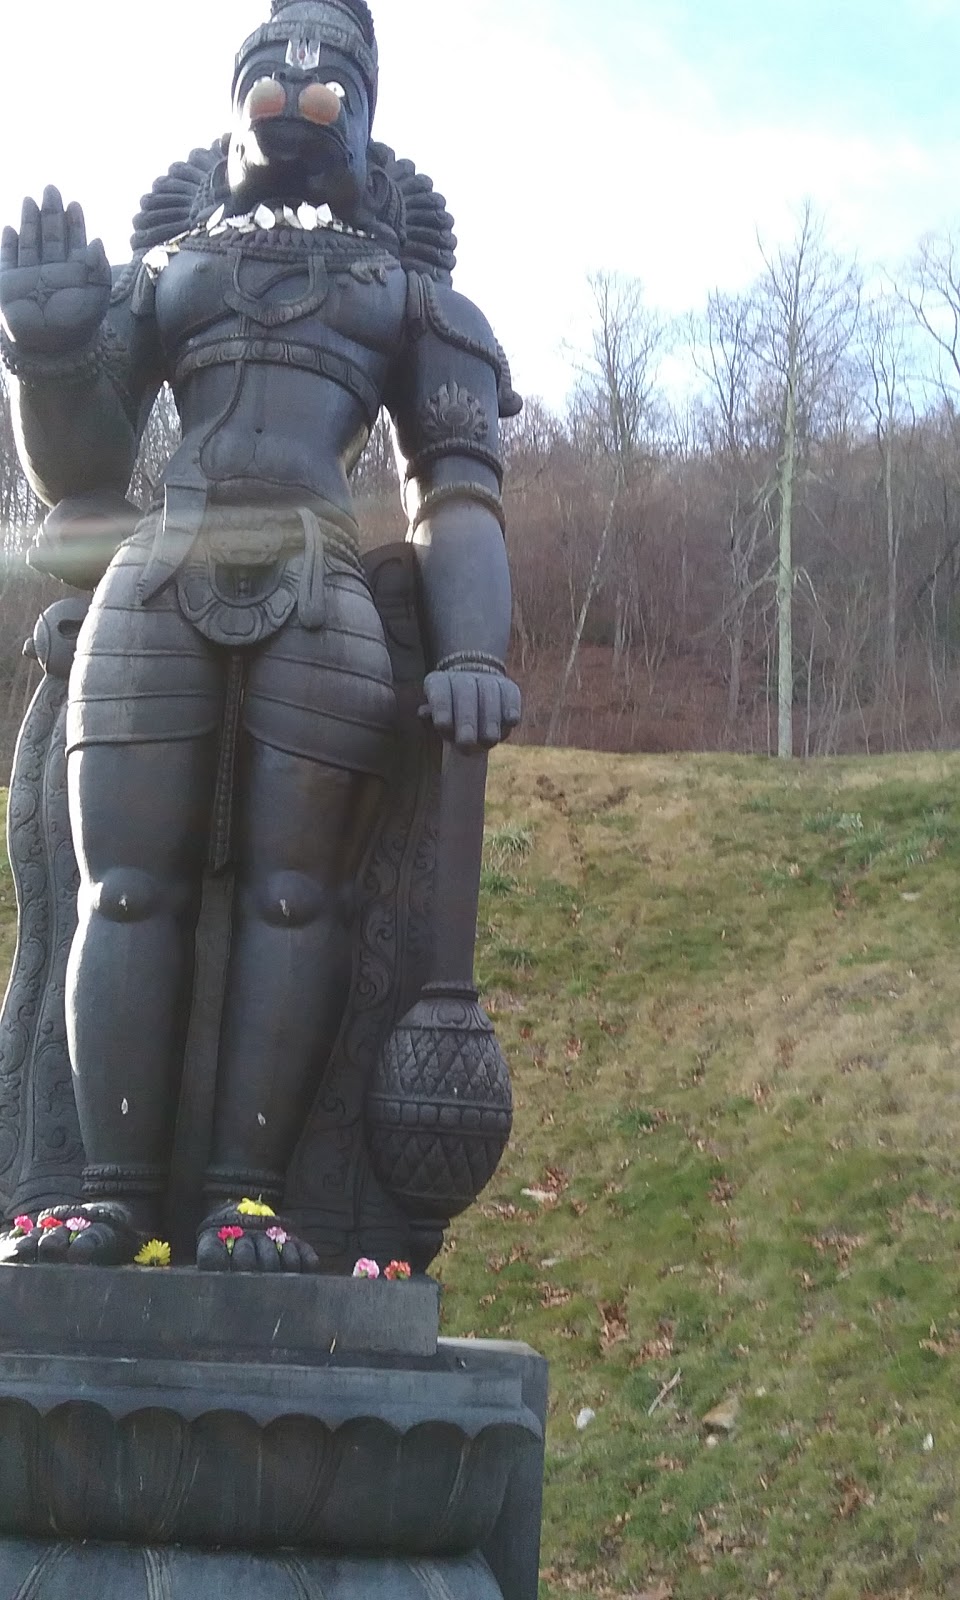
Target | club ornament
(439,1107)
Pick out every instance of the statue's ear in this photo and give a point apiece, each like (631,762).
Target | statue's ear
(381,206)
(403,204)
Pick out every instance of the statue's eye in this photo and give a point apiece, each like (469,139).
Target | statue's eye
(338,90)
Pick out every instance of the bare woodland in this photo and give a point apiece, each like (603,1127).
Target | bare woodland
(761,554)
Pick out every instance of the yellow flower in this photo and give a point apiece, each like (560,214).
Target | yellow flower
(155,1253)
(254,1208)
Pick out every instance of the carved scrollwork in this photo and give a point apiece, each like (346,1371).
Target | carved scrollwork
(454,413)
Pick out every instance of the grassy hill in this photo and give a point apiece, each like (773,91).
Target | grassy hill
(730,994)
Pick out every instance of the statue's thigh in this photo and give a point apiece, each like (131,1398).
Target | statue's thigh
(326,694)
(144,712)
(142,674)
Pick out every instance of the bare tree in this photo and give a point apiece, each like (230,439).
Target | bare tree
(886,353)
(742,450)
(809,303)
(612,416)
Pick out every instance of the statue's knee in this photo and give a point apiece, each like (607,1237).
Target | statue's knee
(125,894)
(294,900)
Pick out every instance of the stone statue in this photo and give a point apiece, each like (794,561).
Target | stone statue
(238,708)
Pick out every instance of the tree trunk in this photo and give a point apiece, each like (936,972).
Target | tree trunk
(581,622)
(785,577)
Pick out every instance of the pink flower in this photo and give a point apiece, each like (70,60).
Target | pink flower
(77,1224)
(398,1270)
(366,1268)
(278,1236)
(229,1237)
(22,1224)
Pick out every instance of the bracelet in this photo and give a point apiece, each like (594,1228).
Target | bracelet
(81,366)
(472,661)
(445,448)
(458,491)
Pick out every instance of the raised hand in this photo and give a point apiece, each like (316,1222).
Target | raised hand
(54,286)
(473,710)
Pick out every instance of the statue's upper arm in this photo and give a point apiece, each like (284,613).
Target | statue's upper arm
(131,343)
(445,397)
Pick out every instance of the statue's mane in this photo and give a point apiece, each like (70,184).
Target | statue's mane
(403,211)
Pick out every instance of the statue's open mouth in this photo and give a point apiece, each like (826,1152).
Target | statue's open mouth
(295,139)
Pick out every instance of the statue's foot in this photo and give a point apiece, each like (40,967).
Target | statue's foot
(247,1237)
(99,1235)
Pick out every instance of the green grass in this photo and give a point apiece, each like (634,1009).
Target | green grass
(729,993)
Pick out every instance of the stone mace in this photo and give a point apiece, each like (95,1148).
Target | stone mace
(439,1107)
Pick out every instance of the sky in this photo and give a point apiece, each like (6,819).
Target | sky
(655,138)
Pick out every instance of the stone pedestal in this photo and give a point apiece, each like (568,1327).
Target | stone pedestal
(177,1436)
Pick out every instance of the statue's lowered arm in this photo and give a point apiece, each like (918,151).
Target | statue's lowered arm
(446,413)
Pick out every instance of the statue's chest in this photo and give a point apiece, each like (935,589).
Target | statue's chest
(281,287)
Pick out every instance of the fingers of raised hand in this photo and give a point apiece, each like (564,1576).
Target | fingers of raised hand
(53,227)
(29,251)
(76,232)
(98,267)
(9,249)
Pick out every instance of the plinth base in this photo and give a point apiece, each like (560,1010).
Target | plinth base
(116,1572)
(192,1467)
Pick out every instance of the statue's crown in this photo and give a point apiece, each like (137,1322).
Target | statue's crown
(304,25)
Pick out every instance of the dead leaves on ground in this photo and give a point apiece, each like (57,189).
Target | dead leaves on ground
(840,1246)
(659,1348)
(614,1327)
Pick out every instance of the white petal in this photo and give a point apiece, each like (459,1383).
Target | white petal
(307,215)
(290,217)
(324,216)
(217,217)
(264,217)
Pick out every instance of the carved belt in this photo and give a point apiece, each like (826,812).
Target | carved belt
(285,353)
(230,542)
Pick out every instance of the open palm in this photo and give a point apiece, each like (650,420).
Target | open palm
(54,286)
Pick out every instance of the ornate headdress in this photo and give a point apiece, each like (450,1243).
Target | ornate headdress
(306,25)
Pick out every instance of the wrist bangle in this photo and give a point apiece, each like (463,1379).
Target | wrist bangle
(79,366)
(472,661)
(448,493)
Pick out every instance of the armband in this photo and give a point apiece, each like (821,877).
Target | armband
(448,493)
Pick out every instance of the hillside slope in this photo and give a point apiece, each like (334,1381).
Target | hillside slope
(729,993)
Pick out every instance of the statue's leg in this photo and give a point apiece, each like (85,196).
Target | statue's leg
(140,825)
(142,731)
(302,832)
(319,719)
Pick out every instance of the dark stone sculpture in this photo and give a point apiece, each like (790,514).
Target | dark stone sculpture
(245,827)
(274,747)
